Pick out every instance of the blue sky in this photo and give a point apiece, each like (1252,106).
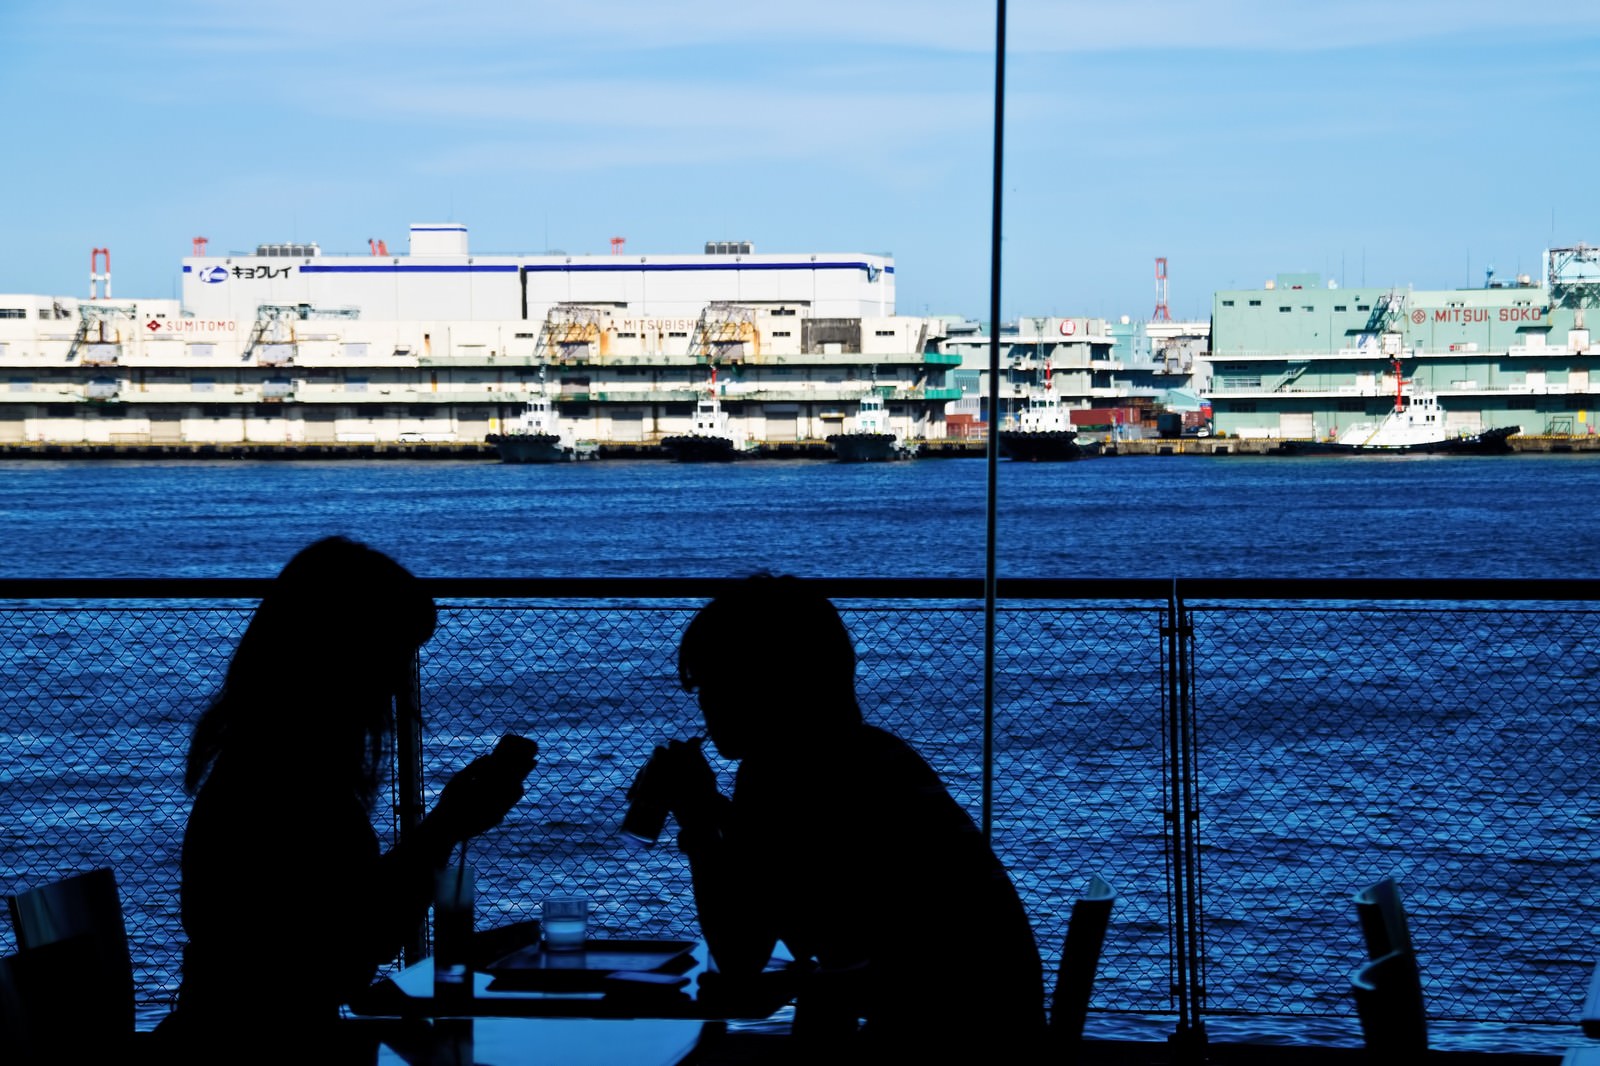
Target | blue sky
(1391,142)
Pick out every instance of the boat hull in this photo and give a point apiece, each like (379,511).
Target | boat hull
(1048,446)
(868,447)
(695,449)
(537,448)
(1489,442)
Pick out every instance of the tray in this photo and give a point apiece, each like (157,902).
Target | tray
(533,969)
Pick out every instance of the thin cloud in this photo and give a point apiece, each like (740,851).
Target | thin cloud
(370,32)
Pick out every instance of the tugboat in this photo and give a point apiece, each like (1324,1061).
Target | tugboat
(1043,433)
(869,438)
(711,440)
(535,436)
(1416,424)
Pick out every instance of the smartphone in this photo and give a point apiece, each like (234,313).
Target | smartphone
(519,753)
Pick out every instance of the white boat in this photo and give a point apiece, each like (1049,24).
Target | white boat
(1416,423)
(536,436)
(1042,431)
(710,439)
(868,437)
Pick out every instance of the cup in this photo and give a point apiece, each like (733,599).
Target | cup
(647,812)
(565,923)
(452,934)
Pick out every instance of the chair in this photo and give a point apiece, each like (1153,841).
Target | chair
(1388,993)
(1591,1005)
(73,942)
(53,1004)
(1080,957)
(1383,919)
(1388,988)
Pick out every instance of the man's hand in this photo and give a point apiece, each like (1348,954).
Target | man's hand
(680,775)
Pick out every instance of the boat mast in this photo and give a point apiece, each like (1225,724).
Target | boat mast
(1399,386)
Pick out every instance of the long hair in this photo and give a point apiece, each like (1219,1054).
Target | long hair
(311,686)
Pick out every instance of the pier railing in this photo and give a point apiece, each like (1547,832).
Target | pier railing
(1235,757)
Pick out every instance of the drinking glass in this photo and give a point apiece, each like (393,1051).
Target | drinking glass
(565,923)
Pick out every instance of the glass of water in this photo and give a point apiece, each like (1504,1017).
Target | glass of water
(565,923)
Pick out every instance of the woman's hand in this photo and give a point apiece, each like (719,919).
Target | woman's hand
(478,797)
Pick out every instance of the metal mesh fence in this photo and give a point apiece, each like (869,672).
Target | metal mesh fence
(1450,746)
(1451,749)
(1077,752)
(96,703)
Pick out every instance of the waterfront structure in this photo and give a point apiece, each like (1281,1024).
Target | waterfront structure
(1301,359)
(1105,375)
(288,345)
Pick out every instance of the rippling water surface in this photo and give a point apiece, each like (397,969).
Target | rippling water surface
(1136,516)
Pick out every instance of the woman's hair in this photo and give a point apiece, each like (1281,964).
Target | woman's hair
(310,687)
(782,635)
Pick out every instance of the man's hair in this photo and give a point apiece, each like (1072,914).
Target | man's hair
(767,616)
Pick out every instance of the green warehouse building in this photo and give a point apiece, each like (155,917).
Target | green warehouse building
(1300,358)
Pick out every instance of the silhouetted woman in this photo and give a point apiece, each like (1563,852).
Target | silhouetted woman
(288,904)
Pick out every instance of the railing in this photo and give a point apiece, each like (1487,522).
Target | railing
(1236,757)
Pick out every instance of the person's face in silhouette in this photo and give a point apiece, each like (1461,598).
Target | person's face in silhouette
(724,702)
(753,706)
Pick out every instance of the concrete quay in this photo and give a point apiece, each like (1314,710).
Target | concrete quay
(280,451)
(1274,446)
(960,448)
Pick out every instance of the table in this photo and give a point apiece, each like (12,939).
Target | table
(409,994)
(534,1042)
(1591,1005)
(648,1026)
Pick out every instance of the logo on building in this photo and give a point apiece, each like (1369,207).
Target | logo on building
(213,275)
(1419,316)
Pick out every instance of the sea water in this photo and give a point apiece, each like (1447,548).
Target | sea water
(1129,517)
(1519,516)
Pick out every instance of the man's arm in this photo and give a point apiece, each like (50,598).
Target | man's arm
(734,910)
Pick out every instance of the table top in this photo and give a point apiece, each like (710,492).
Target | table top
(409,994)
(530,1041)
(1590,1018)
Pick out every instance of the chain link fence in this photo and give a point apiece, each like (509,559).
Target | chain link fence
(1449,745)
(1451,748)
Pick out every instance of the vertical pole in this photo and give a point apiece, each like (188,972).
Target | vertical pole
(408,784)
(1172,825)
(993,453)
(1187,941)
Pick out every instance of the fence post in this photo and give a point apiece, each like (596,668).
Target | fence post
(1186,936)
(408,785)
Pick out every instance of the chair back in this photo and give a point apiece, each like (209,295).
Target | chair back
(1388,994)
(1383,919)
(1591,1005)
(1080,957)
(86,910)
(55,1006)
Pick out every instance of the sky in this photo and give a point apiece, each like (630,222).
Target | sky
(1382,143)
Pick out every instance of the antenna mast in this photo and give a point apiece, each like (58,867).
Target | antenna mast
(1160,314)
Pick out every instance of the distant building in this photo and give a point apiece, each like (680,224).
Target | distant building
(1299,358)
(288,344)
(1106,373)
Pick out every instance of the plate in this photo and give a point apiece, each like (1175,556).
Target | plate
(533,969)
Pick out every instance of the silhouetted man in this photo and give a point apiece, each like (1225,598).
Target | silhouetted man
(842,842)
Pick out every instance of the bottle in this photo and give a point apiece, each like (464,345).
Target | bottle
(452,935)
